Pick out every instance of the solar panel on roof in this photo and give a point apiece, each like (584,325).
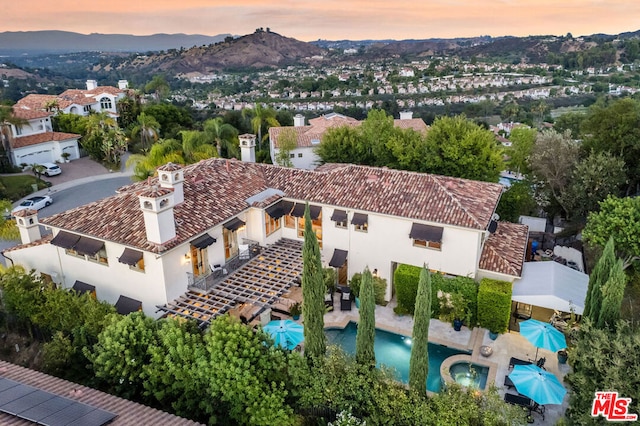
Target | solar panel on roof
(46,408)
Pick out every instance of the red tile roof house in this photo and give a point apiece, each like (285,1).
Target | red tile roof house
(35,141)
(148,241)
(308,137)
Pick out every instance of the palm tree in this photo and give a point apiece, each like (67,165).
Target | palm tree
(223,134)
(162,152)
(147,128)
(261,116)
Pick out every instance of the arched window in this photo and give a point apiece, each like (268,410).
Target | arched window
(105,103)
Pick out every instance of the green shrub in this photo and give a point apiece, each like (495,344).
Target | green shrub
(406,279)
(494,305)
(379,287)
(354,284)
(330,279)
(466,286)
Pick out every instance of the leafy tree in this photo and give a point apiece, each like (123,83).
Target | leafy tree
(618,218)
(224,135)
(7,118)
(159,87)
(460,148)
(375,132)
(103,140)
(163,152)
(598,278)
(510,111)
(553,158)
(612,295)
(119,357)
(8,228)
(419,363)
(522,140)
(570,121)
(171,118)
(365,354)
(517,200)
(343,144)
(129,109)
(37,170)
(409,150)
(615,128)
(70,123)
(602,359)
(195,146)
(591,181)
(313,290)
(147,129)
(244,375)
(287,142)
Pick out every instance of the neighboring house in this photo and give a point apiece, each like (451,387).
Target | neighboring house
(148,241)
(308,137)
(80,102)
(35,141)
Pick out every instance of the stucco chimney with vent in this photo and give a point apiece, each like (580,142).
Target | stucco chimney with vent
(247,147)
(298,120)
(171,176)
(123,84)
(157,204)
(406,115)
(28,225)
(92,84)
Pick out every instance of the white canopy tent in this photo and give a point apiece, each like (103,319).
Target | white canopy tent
(551,285)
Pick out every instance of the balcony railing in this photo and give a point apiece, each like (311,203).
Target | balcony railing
(217,273)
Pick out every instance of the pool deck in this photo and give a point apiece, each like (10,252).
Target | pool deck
(507,345)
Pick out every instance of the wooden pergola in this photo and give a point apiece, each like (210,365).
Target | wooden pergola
(260,282)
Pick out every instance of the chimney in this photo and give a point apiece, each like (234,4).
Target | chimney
(157,207)
(123,84)
(28,225)
(248,147)
(406,115)
(91,84)
(171,176)
(298,120)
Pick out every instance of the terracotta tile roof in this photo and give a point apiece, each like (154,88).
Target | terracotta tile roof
(41,138)
(35,101)
(41,241)
(129,413)
(104,89)
(30,114)
(216,190)
(318,126)
(74,96)
(504,250)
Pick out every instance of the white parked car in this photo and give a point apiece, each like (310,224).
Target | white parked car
(51,169)
(33,203)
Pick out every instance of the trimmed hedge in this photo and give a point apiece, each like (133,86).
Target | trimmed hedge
(494,301)
(406,280)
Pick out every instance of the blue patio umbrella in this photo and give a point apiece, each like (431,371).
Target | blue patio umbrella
(286,333)
(539,385)
(542,335)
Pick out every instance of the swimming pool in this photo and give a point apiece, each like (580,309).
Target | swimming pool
(394,350)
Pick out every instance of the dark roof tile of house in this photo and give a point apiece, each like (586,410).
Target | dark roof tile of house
(504,250)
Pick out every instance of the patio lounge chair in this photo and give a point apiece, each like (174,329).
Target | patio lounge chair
(345,300)
(508,383)
(328,301)
(517,361)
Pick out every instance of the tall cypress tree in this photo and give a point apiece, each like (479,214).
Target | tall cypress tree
(597,280)
(419,363)
(365,354)
(312,292)
(612,295)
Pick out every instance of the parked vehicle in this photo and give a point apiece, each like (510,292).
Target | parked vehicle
(51,169)
(33,203)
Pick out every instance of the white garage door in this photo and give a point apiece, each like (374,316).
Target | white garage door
(36,157)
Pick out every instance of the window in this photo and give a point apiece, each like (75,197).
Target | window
(105,103)
(73,252)
(100,257)
(290,221)
(139,266)
(18,130)
(362,228)
(292,156)
(428,244)
(87,108)
(316,226)
(299,155)
(271,224)
(341,224)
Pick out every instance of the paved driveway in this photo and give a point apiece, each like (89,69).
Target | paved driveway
(77,169)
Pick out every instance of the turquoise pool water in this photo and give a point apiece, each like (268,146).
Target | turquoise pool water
(394,350)
(470,375)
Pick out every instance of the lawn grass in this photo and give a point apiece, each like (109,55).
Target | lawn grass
(15,187)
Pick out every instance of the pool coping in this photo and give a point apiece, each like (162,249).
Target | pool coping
(445,367)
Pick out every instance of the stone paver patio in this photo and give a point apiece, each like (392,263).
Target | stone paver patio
(504,347)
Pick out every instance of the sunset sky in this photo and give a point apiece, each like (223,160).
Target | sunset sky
(309,20)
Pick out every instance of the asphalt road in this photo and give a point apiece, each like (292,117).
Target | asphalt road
(75,196)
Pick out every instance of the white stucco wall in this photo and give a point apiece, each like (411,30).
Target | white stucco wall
(308,161)
(46,152)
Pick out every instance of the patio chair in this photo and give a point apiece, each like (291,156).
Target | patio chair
(508,383)
(517,361)
(519,400)
(345,301)
(328,301)
(540,363)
